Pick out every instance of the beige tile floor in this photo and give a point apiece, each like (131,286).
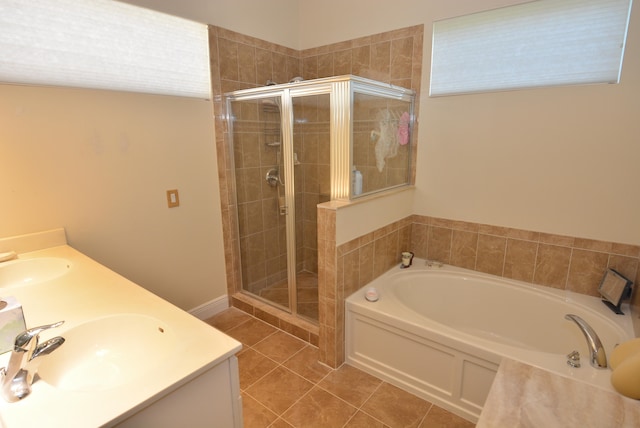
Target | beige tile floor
(283,385)
(307,296)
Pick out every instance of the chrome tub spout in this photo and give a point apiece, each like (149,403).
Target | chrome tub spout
(598,357)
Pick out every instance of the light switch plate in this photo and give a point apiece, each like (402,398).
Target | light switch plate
(173,200)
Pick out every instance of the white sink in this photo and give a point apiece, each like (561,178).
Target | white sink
(107,352)
(22,272)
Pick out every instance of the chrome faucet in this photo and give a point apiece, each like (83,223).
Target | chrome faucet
(17,377)
(598,357)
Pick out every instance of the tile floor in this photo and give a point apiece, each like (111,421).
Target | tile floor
(307,285)
(283,385)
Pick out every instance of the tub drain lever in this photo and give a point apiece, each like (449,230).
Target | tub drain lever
(573,359)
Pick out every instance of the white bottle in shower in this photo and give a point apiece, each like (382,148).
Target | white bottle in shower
(356,182)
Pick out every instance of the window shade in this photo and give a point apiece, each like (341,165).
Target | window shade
(102,44)
(541,43)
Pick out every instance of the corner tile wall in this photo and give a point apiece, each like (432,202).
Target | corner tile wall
(330,295)
(393,57)
(345,268)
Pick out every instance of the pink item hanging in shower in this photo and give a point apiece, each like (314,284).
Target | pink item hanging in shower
(403,129)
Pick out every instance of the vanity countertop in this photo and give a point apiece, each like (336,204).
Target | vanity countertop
(88,292)
(526,396)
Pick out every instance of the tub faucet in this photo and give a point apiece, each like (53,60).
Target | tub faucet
(598,357)
(17,377)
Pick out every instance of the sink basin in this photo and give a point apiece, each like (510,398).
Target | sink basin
(107,352)
(22,272)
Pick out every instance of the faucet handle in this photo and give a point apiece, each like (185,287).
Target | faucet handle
(24,338)
(573,359)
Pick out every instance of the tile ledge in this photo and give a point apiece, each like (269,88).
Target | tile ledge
(338,204)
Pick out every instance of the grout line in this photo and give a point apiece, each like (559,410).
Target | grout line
(535,264)
(281,365)
(426,414)
(266,337)
(299,398)
(566,280)
(358,408)
(261,377)
(475,259)
(367,399)
(260,403)
(504,256)
(372,392)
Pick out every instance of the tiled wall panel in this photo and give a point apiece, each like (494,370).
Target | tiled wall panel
(557,261)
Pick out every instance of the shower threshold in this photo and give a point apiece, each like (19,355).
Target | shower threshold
(307,297)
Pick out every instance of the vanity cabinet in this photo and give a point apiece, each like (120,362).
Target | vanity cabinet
(212,399)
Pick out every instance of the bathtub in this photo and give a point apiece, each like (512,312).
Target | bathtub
(441,332)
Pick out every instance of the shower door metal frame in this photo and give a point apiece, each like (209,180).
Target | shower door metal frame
(289,197)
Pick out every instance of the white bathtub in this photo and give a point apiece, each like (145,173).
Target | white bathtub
(441,332)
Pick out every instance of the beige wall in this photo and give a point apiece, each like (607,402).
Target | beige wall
(98,164)
(356,18)
(358,219)
(272,20)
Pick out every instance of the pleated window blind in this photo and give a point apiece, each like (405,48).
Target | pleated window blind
(541,43)
(102,44)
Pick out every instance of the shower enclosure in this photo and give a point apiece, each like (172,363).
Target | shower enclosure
(300,144)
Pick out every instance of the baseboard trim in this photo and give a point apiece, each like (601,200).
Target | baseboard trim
(211,308)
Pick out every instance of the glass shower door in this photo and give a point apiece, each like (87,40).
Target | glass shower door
(311,142)
(260,198)
(274,138)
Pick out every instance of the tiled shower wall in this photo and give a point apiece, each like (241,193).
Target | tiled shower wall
(557,261)
(239,62)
